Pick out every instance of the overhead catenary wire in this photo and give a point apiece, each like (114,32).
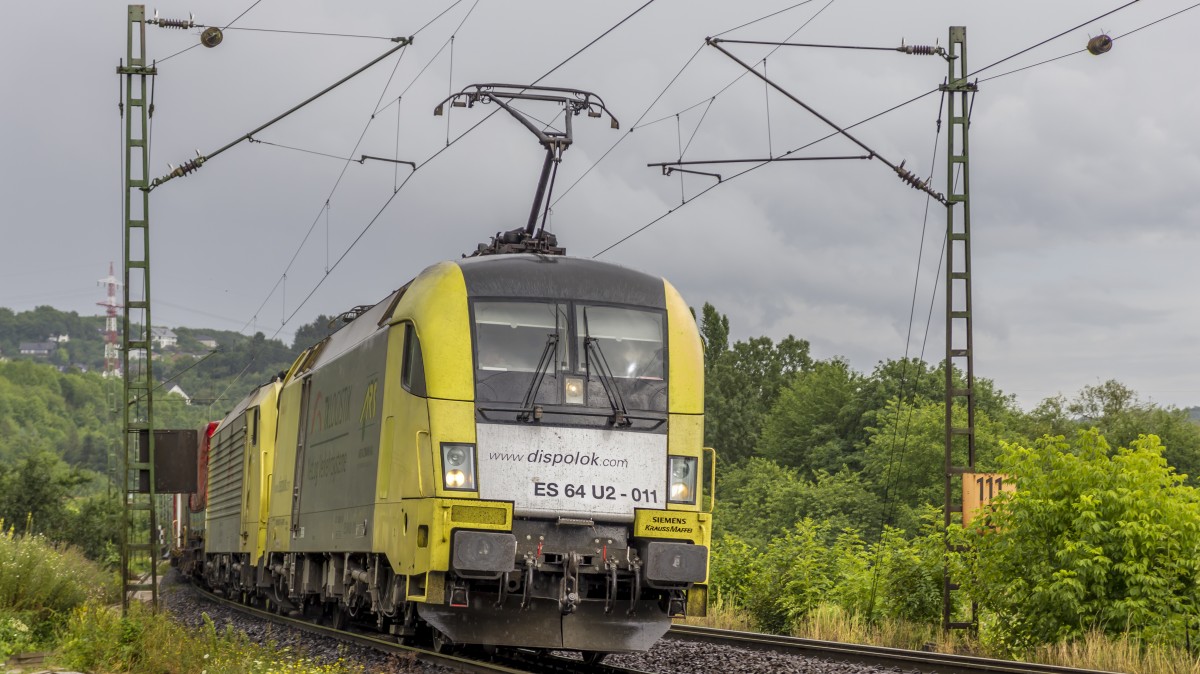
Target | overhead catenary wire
(239,16)
(338,181)
(398,189)
(1081,51)
(763,18)
(197,44)
(889,506)
(202,159)
(439,152)
(366,127)
(893,108)
(637,124)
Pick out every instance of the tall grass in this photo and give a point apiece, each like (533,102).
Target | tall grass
(52,598)
(99,639)
(830,622)
(40,583)
(724,614)
(1097,650)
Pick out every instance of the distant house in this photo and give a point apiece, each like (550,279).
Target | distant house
(38,349)
(206,341)
(61,339)
(163,337)
(175,390)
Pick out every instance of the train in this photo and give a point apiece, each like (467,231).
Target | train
(506,451)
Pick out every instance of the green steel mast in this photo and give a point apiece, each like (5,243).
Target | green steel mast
(960,439)
(139,541)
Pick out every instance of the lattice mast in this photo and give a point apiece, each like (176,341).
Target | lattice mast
(139,542)
(960,434)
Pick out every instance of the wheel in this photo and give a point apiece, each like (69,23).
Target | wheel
(441,643)
(340,619)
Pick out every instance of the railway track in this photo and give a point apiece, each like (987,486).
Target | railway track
(854,657)
(873,656)
(515,661)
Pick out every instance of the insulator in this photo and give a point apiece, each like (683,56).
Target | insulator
(1099,44)
(920,49)
(912,180)
(172,23)
(186,167)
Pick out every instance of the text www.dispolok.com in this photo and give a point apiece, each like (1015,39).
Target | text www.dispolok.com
(560,458)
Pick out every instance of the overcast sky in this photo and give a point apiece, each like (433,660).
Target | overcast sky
(1085,172)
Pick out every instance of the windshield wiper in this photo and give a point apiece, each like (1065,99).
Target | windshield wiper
(528,411)
(592,352)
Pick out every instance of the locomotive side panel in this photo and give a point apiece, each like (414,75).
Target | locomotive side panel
(260,442)
(337,453)
(226,476)
(279,499)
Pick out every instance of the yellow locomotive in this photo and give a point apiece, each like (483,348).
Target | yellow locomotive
(508,450)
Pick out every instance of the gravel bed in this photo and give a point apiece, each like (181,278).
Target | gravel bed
(668,656)
(187,606)
(679,656)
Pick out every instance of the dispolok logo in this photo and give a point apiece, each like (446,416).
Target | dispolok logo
(560,458)
(366,417)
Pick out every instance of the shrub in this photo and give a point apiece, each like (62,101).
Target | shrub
(1091,539)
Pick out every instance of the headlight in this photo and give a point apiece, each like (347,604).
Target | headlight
(682,470)
(458,467)
(573,390)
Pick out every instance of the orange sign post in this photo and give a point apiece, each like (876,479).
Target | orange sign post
(978,491)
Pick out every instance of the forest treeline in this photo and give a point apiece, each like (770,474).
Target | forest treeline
(829,487)
(830,492)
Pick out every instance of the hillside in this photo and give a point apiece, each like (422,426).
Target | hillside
(213,367)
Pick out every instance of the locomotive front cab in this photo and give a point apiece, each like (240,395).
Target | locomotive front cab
(588,420)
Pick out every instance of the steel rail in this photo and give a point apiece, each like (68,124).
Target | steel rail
(521,661)
(879,656)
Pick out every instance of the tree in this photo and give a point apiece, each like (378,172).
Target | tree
(1118,414)
(714,333)
(904,456)
(35,491)
(311,333)
(1091,539)
(812,423)
(742,384)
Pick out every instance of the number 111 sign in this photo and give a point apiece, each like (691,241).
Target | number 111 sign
(978,491)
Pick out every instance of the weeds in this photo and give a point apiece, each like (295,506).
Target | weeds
(99,639)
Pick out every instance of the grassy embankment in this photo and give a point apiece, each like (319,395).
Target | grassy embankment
(1097,651)
(53,599)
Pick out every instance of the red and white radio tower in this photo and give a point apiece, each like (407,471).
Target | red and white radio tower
(112,359)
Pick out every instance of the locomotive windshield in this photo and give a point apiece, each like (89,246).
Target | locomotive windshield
(563,344)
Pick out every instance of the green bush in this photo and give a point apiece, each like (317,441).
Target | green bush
(1092,539)
(895,578)
(17,634)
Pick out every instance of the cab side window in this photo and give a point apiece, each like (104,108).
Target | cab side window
(412,372)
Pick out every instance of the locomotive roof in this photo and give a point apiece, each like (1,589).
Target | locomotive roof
(552,277)
(560,277)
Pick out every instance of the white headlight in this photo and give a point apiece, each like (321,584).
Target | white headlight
(682,471)
(458,467)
